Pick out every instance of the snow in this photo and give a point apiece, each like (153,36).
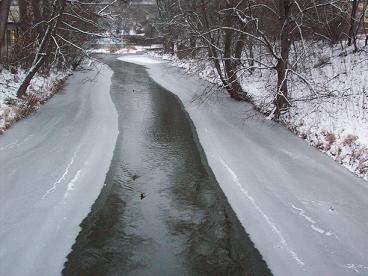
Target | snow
(99,51)
(120,49)
(53,166)
(336,125)
(141,60)
(304,212)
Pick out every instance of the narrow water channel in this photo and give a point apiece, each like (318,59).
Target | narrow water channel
(160,211)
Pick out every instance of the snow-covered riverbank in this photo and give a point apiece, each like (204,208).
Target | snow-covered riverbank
(334,121)
(305,213)
(53,166)
(42,87)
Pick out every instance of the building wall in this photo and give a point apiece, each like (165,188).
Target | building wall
(11,38)
(12,30)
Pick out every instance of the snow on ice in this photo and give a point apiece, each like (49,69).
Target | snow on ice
(53,167)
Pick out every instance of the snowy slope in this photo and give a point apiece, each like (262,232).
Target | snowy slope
(53,166)
(41,87)
(305,213)
(332,116)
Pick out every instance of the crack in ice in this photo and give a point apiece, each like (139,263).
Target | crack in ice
(71,184)
(61,178)
(313,222)
(302,213)
(268,220)
(358,268)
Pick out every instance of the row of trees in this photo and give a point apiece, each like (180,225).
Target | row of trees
(54,33)
(280,30)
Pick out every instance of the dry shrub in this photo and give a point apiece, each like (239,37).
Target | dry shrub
(55,88)
(18,110)
(8,118)
(350,139)
(361,156)
(29,104)
(330,138)
(322,61)
(363,166)
(183,51)
(114,48)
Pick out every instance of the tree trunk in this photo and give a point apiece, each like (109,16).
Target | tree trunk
(281,101)
(232,84)
(352,34)
(168,46)
(365,24)
(36,8)
(210,41)
(4,13)
(212,54)
(44,47)
(23,15)
(193,39)
(27,80)
(192,46)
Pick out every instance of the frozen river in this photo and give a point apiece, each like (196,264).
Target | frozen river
(116,141)
(157,211)
(160,212)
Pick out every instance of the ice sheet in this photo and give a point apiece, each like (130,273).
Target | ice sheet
(52,168)
(305,213)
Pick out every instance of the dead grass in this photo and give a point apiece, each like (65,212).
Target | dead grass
(17,110)
(330,138)
(114,48)
(349,140)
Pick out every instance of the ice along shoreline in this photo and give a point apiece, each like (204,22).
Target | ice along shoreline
(53,168)
(298,206)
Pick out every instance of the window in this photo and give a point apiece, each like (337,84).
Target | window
(12,36)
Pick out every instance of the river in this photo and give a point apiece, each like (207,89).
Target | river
(161,211)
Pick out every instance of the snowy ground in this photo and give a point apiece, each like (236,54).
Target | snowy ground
(305,213)
(41,88)
(336,124)
(53,166)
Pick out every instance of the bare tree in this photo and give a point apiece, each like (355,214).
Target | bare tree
(23,15)
(279,29)
(281,101)
(352,33)
(276,27)
(44,49)
(4,13)
(63,34)
(357,18)
(198,25)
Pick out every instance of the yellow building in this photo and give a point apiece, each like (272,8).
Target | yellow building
(12,30)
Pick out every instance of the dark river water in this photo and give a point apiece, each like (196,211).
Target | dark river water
(161,212)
